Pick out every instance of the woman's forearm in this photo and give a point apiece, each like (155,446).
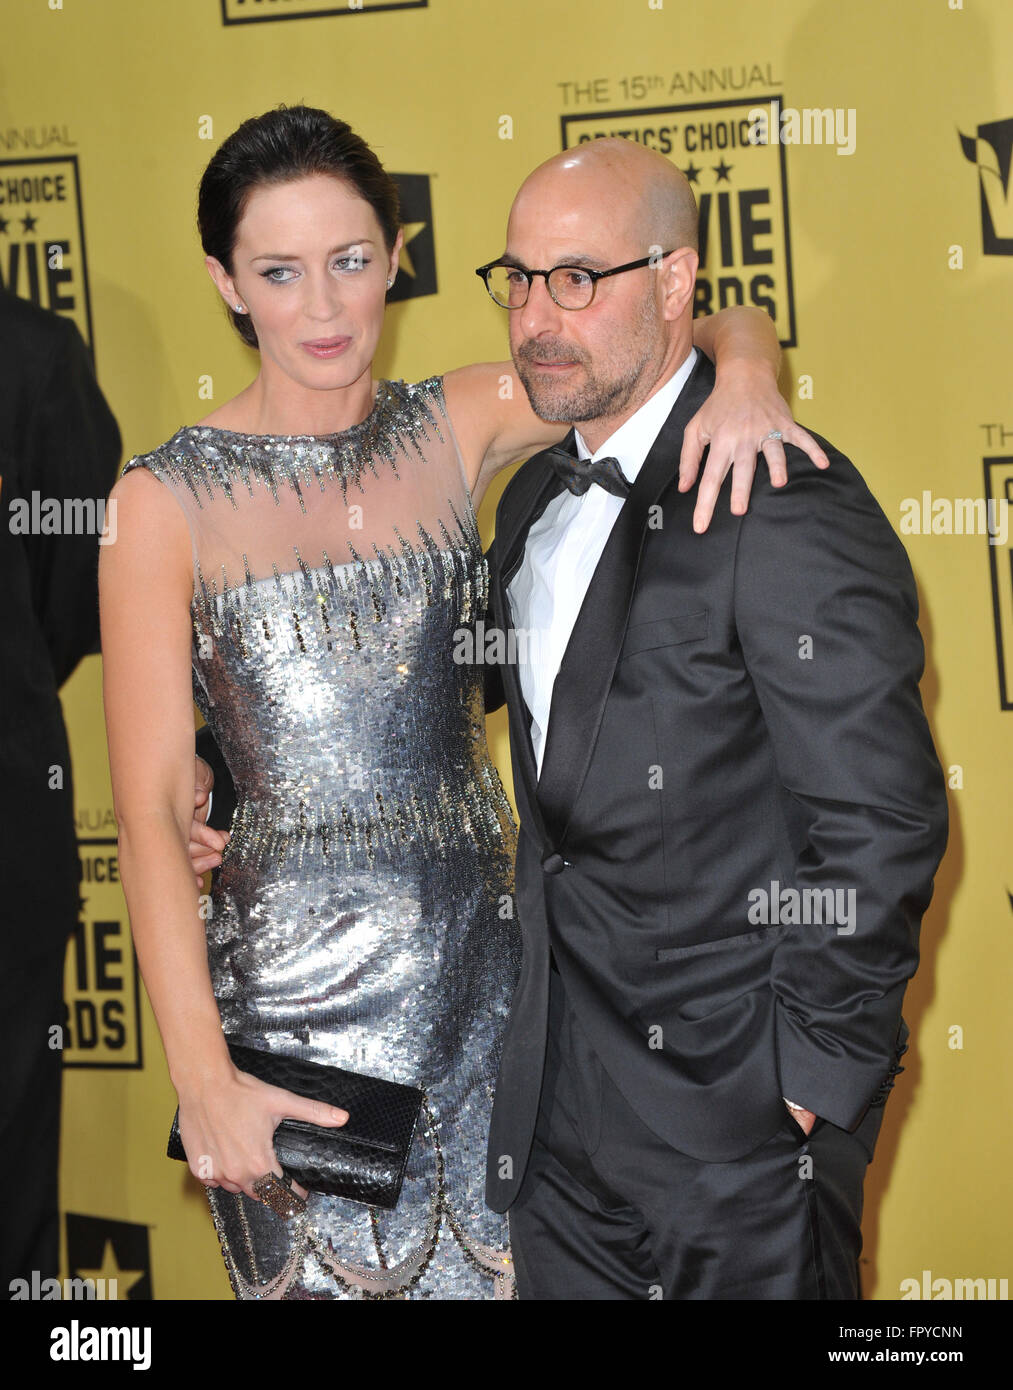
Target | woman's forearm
(738,337)
(169,939)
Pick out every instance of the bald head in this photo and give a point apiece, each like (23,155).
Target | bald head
(643,197)
(626,213)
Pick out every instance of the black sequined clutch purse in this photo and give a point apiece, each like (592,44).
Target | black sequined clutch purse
(363,1160)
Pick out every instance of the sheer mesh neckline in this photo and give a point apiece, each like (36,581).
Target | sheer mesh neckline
(384,391)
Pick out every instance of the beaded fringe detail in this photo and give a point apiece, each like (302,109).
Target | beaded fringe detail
(400,420)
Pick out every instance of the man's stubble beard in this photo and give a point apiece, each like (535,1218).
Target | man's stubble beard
(601,397)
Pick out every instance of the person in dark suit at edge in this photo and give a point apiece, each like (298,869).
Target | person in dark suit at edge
(59,440)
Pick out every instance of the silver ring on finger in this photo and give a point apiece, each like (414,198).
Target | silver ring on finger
(774,434)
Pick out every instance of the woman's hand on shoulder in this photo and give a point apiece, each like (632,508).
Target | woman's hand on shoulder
(743,417)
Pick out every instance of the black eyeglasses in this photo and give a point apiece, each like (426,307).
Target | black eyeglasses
(571,286)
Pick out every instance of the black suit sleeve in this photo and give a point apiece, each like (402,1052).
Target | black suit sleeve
(72,450)
(826,612)
(223,797)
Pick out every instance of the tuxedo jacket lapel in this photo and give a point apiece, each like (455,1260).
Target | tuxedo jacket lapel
(585,676)
(531,491)
(541,483)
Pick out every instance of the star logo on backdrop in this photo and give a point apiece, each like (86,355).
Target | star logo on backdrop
(722,172)
(411,231)
(416,269)
(110,1269)
(29,222)
(99,1248)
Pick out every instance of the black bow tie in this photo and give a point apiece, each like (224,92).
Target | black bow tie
(579,474)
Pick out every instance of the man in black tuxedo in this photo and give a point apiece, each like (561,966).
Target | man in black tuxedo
(731,809)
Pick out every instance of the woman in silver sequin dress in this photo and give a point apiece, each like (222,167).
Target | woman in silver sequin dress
(299,565)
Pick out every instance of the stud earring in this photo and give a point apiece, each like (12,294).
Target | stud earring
(389,283)
(240,309)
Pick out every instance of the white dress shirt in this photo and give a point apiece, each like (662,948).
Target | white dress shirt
(562,552)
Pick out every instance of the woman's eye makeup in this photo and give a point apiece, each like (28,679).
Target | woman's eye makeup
(345,263)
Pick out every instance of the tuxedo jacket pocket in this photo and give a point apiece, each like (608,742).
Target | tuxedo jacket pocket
(725,979)
(664,632)
(762,937)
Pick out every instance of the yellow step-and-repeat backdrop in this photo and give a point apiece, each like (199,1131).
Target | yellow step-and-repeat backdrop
(877,230)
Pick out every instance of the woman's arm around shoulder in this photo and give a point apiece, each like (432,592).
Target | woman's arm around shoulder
(743,418)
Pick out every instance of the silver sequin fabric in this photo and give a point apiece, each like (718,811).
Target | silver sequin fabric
(362,915)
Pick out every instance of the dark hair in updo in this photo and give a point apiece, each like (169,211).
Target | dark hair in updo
(291,142)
